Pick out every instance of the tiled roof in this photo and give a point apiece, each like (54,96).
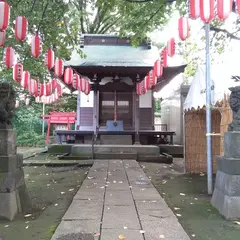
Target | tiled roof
(114,56)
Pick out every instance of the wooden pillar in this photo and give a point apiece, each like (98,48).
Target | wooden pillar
(95,110)
(137,123)
(77,124)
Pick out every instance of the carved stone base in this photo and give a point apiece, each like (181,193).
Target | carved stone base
(13,194)
(226,195)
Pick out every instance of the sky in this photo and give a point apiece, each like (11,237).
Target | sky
(230,58)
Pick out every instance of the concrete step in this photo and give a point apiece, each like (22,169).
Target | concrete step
(78,150)
(58,163)
(132,156)
(100,156)
(77,158)
(174,150)
(158,159)
(116,140)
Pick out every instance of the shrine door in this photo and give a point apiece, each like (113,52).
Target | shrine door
(124,108)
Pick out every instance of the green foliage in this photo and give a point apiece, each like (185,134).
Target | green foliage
(157,105)
(27,123)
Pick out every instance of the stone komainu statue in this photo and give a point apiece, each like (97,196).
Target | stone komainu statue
(234,102)
(7,103)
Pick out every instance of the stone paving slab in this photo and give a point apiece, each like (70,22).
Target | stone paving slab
(159,204)
(112,234)
(140,193)
(118,217)
(68,230)
(84,210)
(122,203)
(123,198)
(93,194)
(165,228)
(155,215)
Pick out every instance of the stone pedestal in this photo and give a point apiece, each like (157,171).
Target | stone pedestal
(13,194)
(226,195)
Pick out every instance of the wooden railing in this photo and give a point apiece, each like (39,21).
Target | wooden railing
(160,127)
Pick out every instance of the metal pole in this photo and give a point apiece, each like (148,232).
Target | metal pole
(208,112)
(43,123)
(115,106)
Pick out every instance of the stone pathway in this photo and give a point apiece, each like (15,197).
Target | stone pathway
(117,201)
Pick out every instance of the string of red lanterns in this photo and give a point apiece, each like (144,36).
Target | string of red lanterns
(203,9)
(44,92)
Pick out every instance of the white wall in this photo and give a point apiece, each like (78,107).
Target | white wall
(171,115)
(145,100)
(86,100)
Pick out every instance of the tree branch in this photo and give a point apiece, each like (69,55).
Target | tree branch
(218,30)
(43,15)
(146,1)
(140,1)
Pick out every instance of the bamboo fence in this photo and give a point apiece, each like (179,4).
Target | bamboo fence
(195,136)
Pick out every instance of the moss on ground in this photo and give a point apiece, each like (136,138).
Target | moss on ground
(51,191)
(187,195)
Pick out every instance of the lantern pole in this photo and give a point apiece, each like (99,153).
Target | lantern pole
(208,111)
(43,125)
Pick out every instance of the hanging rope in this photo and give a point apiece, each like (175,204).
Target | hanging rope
(115,106)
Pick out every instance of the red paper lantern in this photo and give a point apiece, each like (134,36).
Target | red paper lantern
(47,89)
(158,68)
(44,99)
(139,89)
(33,87)
(82,85)
(37,99)
(4,15)
(25,79)
(207,10)
(54,83)
(17,72)
(9,57)
(21,28)
(147,82)
(36,46)
(76,81)
(171,47)
(49,59)
(152,79)
(88,88)
(183,28)
(2,38)
(68,76)
(143,86)
(59,89)
(56,95)
(164,57)
(59,67)
(224,8)
(238,6)
(194,9)
(40,90)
